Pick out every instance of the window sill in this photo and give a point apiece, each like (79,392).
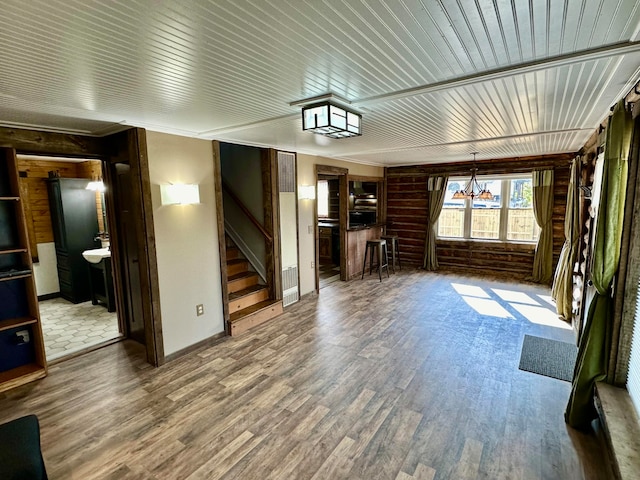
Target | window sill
(498,243)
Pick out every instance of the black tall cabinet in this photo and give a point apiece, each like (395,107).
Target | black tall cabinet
(75,225)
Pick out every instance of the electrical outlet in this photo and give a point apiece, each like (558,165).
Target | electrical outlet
(22,337)
(313,264)
(199,309)
(310,229)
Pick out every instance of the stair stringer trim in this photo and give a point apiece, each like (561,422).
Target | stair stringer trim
(258,266)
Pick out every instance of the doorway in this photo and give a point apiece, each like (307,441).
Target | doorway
(328,212)
(127,147)
(69,240)
(331,224)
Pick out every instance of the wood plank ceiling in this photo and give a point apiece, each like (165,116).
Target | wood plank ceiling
(434,80)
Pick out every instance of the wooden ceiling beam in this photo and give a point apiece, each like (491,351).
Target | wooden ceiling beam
(53,144)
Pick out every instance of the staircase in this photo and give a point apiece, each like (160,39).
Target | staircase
(249,302)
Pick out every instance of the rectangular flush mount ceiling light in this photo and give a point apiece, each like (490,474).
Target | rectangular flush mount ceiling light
(329,119)
(179,194)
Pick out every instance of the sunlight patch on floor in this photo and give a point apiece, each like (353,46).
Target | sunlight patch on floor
(470,290)
(548,299)
(541,316)
(513,296)
(487,307)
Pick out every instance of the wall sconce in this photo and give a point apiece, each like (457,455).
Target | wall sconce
(179,194)
(307,192)
(96,186)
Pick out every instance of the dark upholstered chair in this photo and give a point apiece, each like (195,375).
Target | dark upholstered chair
(20,454)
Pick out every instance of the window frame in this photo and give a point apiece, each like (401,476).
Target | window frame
(505,191)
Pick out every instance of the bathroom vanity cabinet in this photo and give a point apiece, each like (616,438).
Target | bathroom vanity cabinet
(22,356)
(75,225)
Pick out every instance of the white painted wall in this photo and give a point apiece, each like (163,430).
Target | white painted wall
(186,241)
(306,176)
(45,272)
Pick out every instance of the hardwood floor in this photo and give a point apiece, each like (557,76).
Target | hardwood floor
(402,379)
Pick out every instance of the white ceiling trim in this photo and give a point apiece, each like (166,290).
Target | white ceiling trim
(586,131)
(258,123)
(535,66)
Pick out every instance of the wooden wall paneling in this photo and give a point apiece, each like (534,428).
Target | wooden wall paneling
(33,175)
(407,207)
(92,170)
(406,193)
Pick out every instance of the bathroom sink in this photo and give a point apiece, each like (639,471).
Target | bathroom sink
(96,255)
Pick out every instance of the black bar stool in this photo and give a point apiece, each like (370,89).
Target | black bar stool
(395,250)
(380,247)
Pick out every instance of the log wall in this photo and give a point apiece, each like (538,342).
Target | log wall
(406,189)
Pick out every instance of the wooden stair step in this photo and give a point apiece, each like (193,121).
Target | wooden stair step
(233,253)
(237,265)
(242,280)
(252,316)
(246,291)
(247,297)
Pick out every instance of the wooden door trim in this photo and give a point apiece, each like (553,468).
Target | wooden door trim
(114,235)
(222,246)
(148,263)
(272,221)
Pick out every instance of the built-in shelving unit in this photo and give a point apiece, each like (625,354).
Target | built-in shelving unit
(22,356)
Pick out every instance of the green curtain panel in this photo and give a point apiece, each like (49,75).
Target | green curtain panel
(595,344)
(562,289)
(543,211)
(436,190)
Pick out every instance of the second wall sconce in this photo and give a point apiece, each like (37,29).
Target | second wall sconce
(179,194)
(306,192)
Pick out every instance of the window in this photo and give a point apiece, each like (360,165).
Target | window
(521,223)
(507,217)
(485,214)
(323,198)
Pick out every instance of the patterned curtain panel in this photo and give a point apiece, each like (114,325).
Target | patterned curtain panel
(595,343)
(562,290)
(543,211)
(436,189)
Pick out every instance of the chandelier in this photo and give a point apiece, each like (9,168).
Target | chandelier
(473,188)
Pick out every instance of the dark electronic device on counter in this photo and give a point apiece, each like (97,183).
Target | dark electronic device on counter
(364,204)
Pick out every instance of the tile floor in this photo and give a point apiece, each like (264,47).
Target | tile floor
(69,327)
